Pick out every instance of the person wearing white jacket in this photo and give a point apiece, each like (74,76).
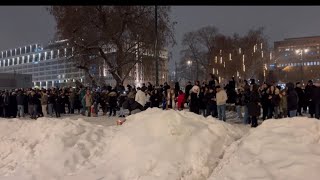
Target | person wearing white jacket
(221,99)
(141,97)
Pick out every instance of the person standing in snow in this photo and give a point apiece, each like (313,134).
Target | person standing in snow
(181,99)
(239,103)
(283,104)
(221,98)
(194,99)
(316,99)
(112,100)
(276,103)
(20,102)
(155,99)
(203,100)
(308,98)
(292,100)
(88,102)
(301,96)
(187,92)
(254,105)
(44,102)
(141,97)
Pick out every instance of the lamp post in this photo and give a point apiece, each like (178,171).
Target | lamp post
(300,52)
(190,64)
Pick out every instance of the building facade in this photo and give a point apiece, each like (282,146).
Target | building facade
(50,66)
(297,59)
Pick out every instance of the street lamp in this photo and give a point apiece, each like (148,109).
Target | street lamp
(190,64)
(300,52)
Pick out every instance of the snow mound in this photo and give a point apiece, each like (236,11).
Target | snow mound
(276,150)
(153,144)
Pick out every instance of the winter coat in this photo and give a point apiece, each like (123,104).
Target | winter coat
(276,100)
(6,99)
(155,100)
(131,95)
(51,99)
(283,102)
(32,100)
(44,99)
(203,101)
(239,101)
(121,99)
(221,97)
(112,99)
(308,92)
(210,96)
(88,100)
(20,99)
(194,103)
(144,88)
(292,98)
(188,88)
(301,95)
(72,97)
(253,105)
(264,97)
(315,95)
(181,99)
(141,98)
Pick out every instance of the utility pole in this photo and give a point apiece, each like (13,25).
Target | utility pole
(155,45)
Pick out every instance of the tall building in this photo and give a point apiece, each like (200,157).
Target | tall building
(297,59)
(50,66)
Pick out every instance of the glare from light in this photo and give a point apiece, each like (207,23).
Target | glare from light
(306,50)
(298,51)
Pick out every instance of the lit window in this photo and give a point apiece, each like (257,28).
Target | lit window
(318,63)
(311,63)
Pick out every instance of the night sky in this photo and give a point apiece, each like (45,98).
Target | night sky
(33,24)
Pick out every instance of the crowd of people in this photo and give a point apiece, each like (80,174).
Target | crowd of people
(208,99)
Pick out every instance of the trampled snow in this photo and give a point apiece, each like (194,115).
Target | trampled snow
(276,150)
(154,144)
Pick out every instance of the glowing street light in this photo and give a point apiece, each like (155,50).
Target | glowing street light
(300,52)
(189,62)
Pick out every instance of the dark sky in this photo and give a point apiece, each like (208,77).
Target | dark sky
(32,24)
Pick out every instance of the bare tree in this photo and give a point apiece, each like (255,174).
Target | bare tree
(113,34)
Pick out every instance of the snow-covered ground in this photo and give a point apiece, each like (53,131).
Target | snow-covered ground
(276,150)
(158,145)
(154,144)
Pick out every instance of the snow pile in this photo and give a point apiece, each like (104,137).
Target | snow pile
(154,144)
(276,150)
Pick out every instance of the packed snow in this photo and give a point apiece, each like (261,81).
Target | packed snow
(153,144)
(276,150)
(158,145)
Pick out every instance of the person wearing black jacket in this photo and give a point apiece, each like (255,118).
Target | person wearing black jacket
(254,105)
(32,100)
(112,102)
(239,103)
(13,108)
(58,104)
(51,103)
(316,100)
(264,101)
(292,100)
(246,100)
(211,103)
(308,98)
(187,92)
(155,99)
(301,98)
(203,101)
(6,101)
(1,104)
